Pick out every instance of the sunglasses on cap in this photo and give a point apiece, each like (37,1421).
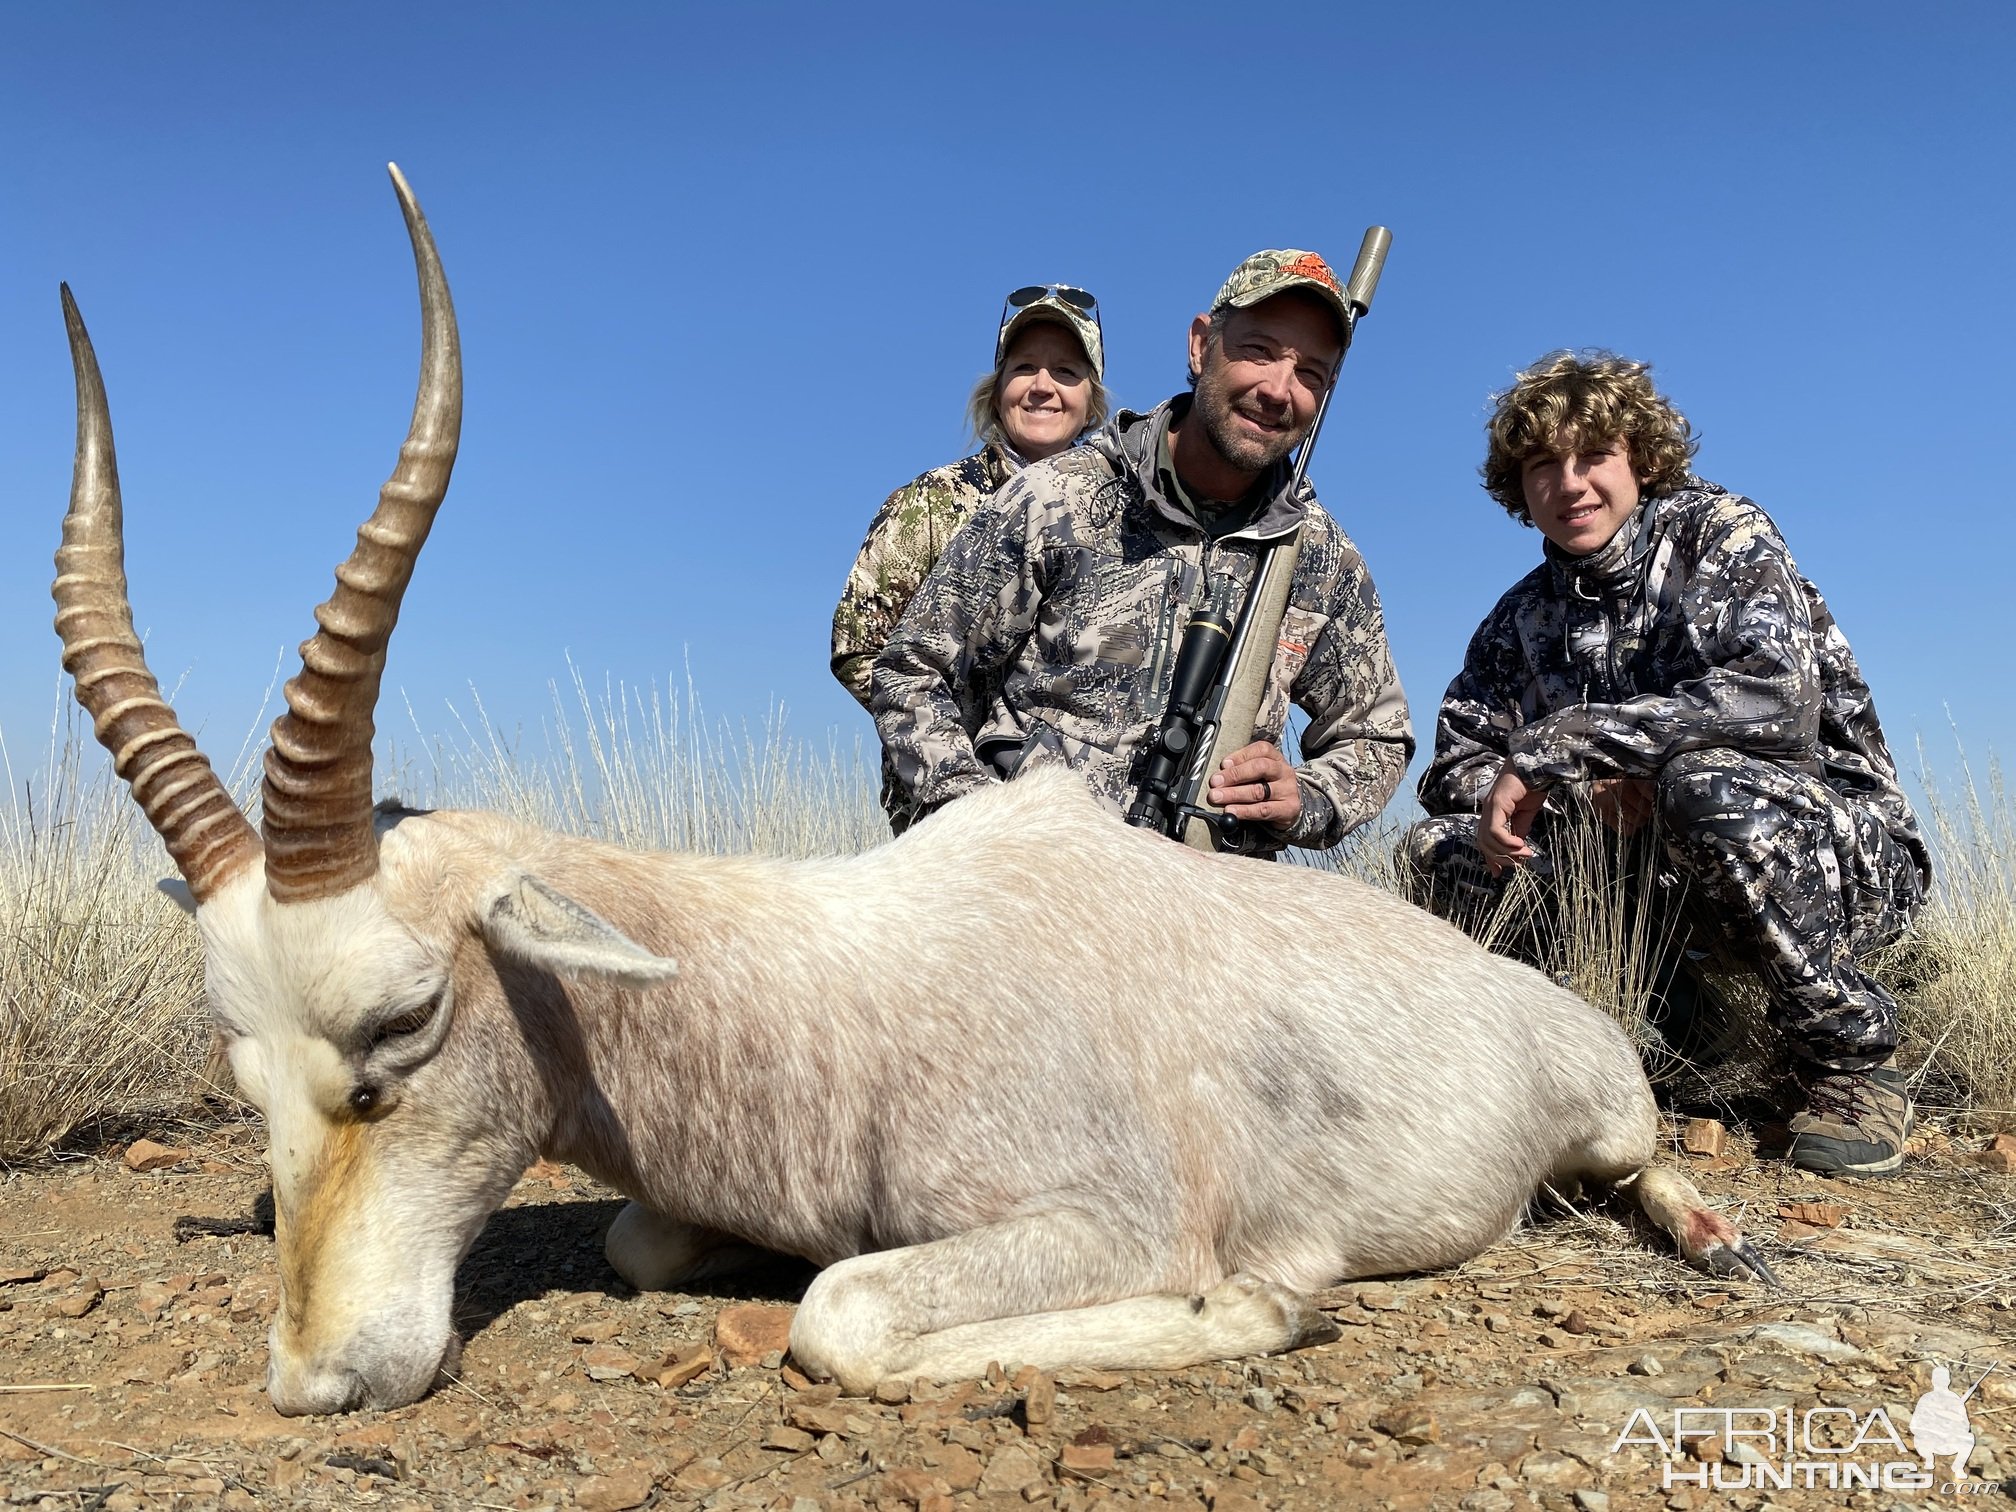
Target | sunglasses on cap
(1076,298)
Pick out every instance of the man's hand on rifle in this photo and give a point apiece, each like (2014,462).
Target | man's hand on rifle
(1256,783)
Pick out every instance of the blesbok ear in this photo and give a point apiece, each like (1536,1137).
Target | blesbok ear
(176,888)
(532,922)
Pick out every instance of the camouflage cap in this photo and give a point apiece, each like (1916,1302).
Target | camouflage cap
(1058,311)
(1276,271)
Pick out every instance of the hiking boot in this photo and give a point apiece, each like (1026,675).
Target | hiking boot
(1854,1123)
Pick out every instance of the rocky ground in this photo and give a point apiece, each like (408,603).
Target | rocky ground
(133,1342)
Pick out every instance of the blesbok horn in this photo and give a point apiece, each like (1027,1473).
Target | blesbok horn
(317,823)
(205,831)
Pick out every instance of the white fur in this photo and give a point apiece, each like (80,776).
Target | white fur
(1034,1086)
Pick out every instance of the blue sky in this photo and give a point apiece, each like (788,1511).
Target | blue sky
(726,275)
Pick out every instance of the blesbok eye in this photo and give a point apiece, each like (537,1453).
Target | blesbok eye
(364,1099)
(410,1022)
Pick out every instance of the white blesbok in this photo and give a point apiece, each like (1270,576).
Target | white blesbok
(1032,1086)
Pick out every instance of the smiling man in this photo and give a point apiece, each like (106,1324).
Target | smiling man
(1668,671)
(1069,591)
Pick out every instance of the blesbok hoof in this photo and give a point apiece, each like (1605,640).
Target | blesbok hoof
(1300,1323)
(1740,1262)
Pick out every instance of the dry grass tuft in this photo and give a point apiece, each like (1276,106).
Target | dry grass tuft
(1957,970)
(100,975)
(646,770)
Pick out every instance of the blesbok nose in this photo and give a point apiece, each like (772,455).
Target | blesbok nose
(366,1372)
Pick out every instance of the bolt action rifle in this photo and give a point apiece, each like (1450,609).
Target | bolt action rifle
(1222,664)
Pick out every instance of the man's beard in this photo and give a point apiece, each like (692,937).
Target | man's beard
(1246,452)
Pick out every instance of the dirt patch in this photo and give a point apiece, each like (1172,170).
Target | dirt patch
(134,1362)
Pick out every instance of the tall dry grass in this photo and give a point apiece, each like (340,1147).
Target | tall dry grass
(647,769)
(1956,972)
(100,975)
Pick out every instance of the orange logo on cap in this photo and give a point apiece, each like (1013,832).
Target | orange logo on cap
(1310,266)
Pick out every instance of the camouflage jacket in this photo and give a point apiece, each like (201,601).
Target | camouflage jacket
(1693,629)
(904,539)
(1067,595)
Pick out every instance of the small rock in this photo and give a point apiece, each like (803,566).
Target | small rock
(613,1493)
(1743,1452)
(1012,1468)
(957,1466)
(1801,1339)
(11,1274)
(1591,1501)
(1646,1365)
(1825,1215)
(680,1364)
(1409,1423)
(891,1391)
(151,1298)
(1087,1459)
(702,1475)
(605,1362)
(79,1304)
(748,1331)
(1090,1380)
(816,1417)
(1039,1401)
(146,1155)
(1497,1323)
(1379,1297)
(598,1331)
(911,1485)
(1260,1399)
(1549,1467)
(1705,1137)
(790,1440)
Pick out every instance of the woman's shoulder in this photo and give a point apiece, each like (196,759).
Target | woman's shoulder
(981,473)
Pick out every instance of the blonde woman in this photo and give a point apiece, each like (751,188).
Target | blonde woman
(1042,394)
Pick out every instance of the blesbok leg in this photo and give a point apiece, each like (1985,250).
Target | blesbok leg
(1032,1291)
(1623,1156)
(656,1253)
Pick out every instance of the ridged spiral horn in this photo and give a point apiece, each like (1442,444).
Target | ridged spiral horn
(193,812)
(317,822)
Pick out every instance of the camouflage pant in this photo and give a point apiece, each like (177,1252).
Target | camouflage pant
(1795,880)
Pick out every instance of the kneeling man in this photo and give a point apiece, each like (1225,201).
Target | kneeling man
(1667,666)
